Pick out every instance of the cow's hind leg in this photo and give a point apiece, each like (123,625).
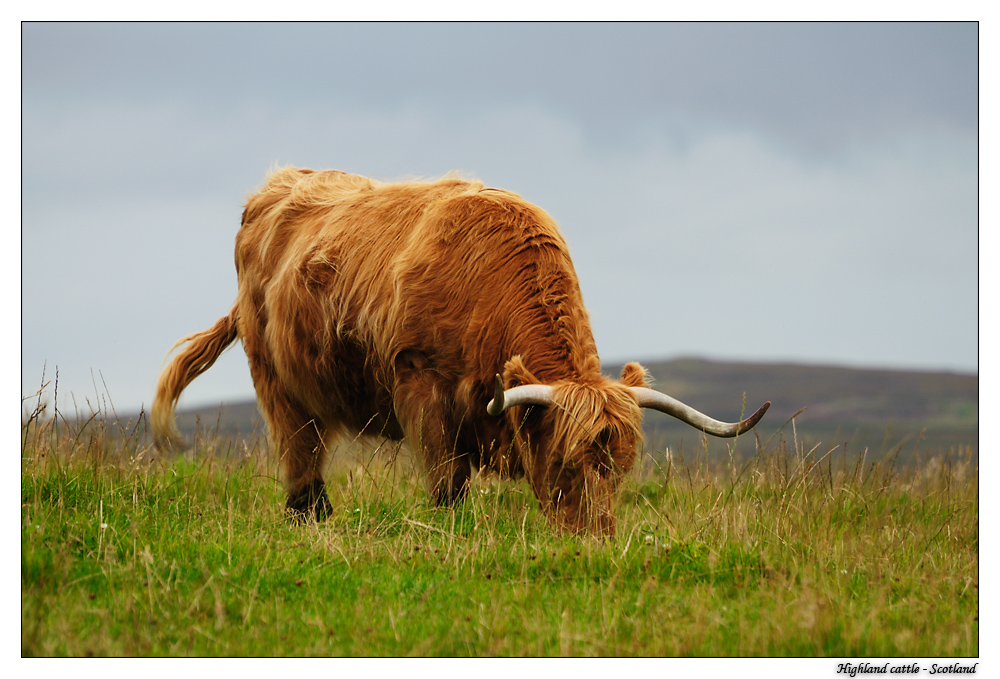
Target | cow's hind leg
(308,502)
(303,453)
(299,442)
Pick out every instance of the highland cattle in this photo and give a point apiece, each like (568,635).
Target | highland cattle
(444,313)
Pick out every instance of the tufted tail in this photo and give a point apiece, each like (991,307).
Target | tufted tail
(202,350)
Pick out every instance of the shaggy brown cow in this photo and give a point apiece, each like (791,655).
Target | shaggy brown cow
(392,310)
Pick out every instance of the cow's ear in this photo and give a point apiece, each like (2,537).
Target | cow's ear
(515,373)
(634,375)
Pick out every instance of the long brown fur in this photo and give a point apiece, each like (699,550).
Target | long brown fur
(387,309)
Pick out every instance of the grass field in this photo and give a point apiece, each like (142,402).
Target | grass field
(783,554)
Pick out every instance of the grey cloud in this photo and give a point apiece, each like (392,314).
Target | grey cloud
(815,83)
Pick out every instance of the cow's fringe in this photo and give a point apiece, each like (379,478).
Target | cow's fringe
(202,350)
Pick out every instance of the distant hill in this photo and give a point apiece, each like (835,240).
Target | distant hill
(850,407)
(846,407)
(228,419)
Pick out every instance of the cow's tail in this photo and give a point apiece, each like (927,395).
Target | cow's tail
(202,350)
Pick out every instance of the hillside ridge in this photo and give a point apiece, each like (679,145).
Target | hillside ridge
(864,406)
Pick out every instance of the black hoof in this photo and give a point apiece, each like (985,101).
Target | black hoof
(309,504)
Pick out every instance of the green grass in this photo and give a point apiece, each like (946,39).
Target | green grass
(785,554)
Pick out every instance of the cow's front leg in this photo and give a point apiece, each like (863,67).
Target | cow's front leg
(448,470)
(448,476)
(422,406)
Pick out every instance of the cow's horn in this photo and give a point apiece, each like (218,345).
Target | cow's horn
(525,395)
(650,398)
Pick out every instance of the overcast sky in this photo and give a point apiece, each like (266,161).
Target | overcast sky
(760,192)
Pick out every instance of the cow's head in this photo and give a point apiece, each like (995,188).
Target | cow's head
(578,439)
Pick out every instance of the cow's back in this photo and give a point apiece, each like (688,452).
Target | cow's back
(351,280)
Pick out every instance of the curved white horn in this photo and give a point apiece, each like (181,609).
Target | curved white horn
(650,398)
(525,395)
